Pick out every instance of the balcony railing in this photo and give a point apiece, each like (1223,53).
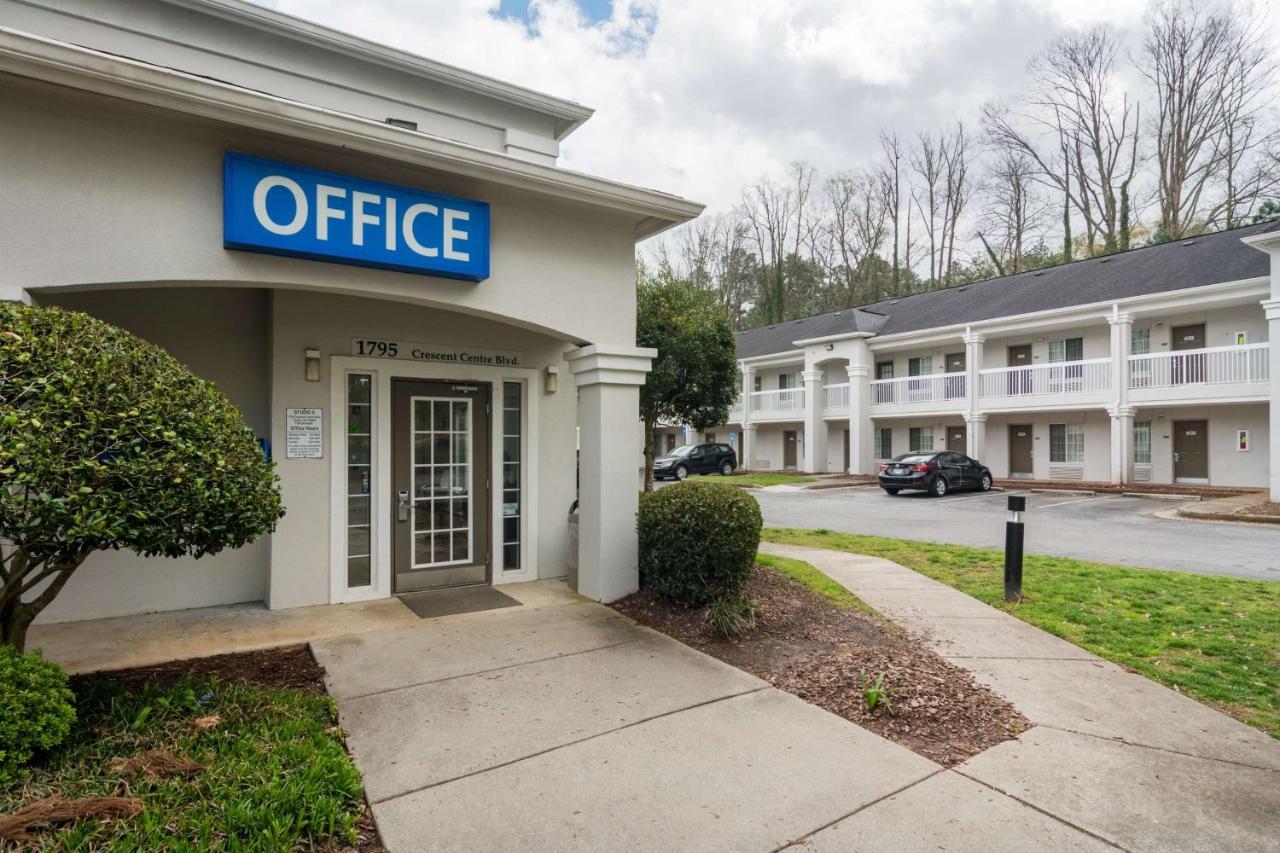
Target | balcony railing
(736,411)
(1214,366)
(935,388)
(782,401)
(1066,377)
(836,396)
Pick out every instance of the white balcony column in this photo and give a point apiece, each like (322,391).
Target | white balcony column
(748,449)
(608,379)
(1121,444)
(1121,348)
(815,428)
(974,352)
(975,435)
(861,450)
(1272,307)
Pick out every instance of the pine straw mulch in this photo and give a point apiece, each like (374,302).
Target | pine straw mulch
(808,646)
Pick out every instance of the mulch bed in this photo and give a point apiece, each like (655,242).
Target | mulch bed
(1267,508)
(804,644)
(284,668)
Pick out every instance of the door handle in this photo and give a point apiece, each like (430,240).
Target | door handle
(402,506)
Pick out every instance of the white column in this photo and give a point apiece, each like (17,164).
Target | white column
(608,380)
(976,422)
(1272,307)
(1121,444)
(1120,410)
(747,452)
(815,428)
(861,449)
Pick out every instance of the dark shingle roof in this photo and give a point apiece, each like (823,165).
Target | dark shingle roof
(1195,262)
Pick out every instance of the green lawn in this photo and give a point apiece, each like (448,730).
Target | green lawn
(768,479)
(276,776)
(1213,638)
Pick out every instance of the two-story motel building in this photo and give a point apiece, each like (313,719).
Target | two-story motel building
(1149,366)
(426,320)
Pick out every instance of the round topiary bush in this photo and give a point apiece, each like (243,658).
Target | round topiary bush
(109,442)
(36,708)
(698,541)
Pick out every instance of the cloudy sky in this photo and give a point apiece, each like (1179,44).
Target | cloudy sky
(697,97)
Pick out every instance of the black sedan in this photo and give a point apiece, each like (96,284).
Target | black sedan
(696,459)
(935,472)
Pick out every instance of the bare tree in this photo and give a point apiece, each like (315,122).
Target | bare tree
(889,176)
(957,190)
(1081,135)
(1012,209)
(768,209)
(1210,70)
(856,229)
(928,162)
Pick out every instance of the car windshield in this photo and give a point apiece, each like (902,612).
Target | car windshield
(914,458)
(681,451)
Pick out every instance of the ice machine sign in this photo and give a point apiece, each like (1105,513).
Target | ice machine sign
(290,210)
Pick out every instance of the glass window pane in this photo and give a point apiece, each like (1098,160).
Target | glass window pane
(460,480)
(422,415)
(441,551)
(442,480)
(422,515)
(511,395)
(357,541)
(357,510)
(358,419)
(358,480)
(461,412)
(440,515)
(461,545)
(440,418)
(421,549)
(359,388)
(422,449)
(422,482)
(510,529)
(459,518)
(357,449)
(512,402)
(511,557)
(441,450)
(511,448)
(358,573)
(511,422)
(460,448)
(1142,442)
(511,475)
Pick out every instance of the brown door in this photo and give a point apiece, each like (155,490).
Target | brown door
(440,500)
(1190,367)
(789,449)
(1021,451)
(846,450)
(1190,450)
(1020,380)
(957,439)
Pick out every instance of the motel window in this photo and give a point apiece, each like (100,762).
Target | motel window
(884,370)
(1066,443)
(1140,342)
(359,477)
(709,438)
(511,459)
(1142,442)
(920,439)
(884,443)
(921,366)
(759,386)
(1067,349)
(786,380)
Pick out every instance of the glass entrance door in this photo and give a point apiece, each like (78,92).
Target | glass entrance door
(441,500)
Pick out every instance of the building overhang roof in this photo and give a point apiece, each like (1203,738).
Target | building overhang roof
(26,55)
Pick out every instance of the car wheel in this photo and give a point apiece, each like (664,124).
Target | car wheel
(726,469)
(681,472)
(890,491)
(985,483)
(939,486)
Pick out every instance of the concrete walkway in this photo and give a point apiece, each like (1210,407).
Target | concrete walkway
(566,726)
(1112,753)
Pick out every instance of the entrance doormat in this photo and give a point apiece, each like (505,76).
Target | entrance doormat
(463,599)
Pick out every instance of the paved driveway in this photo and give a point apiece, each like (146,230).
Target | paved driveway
(1109,528)
(564,726)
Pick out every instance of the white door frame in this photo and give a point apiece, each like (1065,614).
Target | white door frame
(383,371)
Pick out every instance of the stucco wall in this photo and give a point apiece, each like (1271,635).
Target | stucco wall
(222,335)
(137,197)
(1097,442)
(1227,466)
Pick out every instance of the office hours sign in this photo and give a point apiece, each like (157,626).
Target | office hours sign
(304,433)
(280,209)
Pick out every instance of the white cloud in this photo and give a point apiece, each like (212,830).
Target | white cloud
(697,97)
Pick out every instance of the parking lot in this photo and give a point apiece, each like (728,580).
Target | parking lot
(1106,528)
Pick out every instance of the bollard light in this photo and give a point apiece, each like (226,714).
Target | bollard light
(1013,548)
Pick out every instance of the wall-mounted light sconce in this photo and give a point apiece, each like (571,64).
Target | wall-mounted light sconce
(1040,340)
(551,380)
(1160,417)
(830,347)
(313,365)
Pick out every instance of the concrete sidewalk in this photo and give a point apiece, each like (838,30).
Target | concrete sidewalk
(569,727)
(1112,753)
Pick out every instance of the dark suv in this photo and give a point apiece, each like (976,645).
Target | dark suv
(936,472)
(695,459)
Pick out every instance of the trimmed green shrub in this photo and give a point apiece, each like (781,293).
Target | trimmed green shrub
(698,541)
(36,708)
(108,442)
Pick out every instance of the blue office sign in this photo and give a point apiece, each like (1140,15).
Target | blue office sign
(290,210)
